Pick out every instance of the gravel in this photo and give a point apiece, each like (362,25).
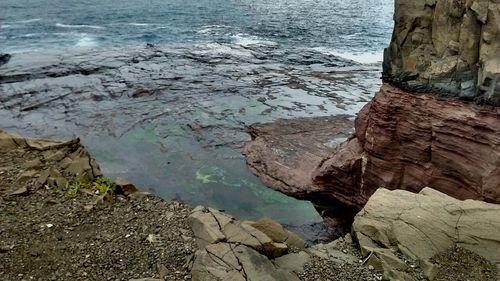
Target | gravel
(45,235)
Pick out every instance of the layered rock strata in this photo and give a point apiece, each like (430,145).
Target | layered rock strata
(68,160)
(446,46)
(408,141)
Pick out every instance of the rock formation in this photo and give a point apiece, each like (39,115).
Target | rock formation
(69,160)
(407,141)
(233,250)
(447,46)
(422,226)
(419,130)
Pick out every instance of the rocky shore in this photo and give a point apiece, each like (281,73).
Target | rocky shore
(49,233)
(417,182)
(434,123)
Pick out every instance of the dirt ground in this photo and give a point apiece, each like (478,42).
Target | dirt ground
(45,235)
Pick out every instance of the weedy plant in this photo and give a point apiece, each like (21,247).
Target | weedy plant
(101,184)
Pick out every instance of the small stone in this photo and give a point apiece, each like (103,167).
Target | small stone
(20,192)
(162,270)
(125,187)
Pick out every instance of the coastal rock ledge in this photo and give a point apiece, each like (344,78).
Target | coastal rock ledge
(402,141)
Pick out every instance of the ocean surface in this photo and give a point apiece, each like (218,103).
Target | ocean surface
(356,29)
(230,63)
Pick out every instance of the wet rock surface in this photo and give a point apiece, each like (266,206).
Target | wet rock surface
(426,225)
(154,82)
(180,114)
(448,47)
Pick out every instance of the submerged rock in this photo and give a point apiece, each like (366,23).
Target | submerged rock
(448,47)
(422,226)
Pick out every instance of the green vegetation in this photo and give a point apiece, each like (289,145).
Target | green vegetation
(101,184)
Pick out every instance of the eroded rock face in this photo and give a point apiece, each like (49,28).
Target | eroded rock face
(408,141)
(55,163)
(448,47)
(422,226)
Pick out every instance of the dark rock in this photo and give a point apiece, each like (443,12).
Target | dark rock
(4,58)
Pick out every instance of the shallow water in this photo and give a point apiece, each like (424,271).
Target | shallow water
(173,118)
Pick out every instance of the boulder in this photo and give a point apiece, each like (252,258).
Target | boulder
(278,233)
(125,187)
(447,47)
(423,225)
(242,250)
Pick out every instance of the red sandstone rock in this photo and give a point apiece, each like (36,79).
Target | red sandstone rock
(412,141)
(285,153)
(402,141)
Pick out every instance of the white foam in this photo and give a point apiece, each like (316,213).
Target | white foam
(86,42)
(218,49)
(5,26)
(28,21)
(78,26)
(22,21)
(206,29)
(28,35)
(247,40)
(366,58)
(141,24)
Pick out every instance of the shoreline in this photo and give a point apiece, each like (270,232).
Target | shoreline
(155,115)
(126,234)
